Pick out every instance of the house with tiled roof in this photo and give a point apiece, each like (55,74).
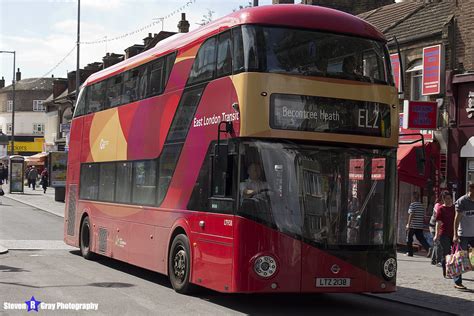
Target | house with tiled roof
(30,116)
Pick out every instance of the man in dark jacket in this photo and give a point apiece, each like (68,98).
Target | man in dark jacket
(32,176)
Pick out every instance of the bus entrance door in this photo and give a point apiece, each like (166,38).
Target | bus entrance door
(214,248)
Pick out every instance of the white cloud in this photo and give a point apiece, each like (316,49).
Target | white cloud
(102,4)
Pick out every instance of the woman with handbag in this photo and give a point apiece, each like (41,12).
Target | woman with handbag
(436,249)
(463,232)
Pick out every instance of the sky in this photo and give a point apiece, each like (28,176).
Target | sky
(43,32)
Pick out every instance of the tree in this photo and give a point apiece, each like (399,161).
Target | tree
(249,5)
(206,18)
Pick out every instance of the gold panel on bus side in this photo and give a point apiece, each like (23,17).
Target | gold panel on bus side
(255,89)
(107,140)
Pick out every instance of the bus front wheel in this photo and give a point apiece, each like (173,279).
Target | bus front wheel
(179,264)
(85,239)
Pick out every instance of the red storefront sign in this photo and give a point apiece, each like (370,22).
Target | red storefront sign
(420,115)
(395,61)
(427,134)
(431,70)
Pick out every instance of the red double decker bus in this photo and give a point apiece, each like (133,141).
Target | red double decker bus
(255,154)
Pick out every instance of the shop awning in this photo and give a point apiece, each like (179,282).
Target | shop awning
(411,167)
(37,159)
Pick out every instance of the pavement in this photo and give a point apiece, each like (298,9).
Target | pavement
(419,282)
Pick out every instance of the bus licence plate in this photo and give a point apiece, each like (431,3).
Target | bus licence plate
(333,282)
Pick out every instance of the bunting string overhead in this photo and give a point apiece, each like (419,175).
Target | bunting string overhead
(104,40)
(160,20)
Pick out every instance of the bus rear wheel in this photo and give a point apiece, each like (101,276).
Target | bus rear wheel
(179,264)
(85,239)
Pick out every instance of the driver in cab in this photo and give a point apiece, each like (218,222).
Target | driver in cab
(254,185)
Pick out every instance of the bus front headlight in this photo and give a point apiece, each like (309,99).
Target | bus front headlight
(389,269)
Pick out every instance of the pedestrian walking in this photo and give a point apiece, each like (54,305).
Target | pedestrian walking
(27,171)
(416,219)
(2,172)
(463,230)
(32,177)
(436,251)
(44,180)
(5,174)
(444,227)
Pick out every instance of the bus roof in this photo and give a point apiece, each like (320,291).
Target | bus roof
(291,15)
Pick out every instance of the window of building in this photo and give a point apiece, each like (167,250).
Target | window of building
(38,106)
(416,81)
(38,128)
(9,128)
(9,105)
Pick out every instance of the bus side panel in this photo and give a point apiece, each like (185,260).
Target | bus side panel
(213,260)
(253,240)
(213,249)
(73,177)
(214,104)
(147,246)
(86,145)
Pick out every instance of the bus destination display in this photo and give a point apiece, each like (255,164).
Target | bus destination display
(329,115)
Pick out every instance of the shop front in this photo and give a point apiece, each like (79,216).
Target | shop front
(418,170)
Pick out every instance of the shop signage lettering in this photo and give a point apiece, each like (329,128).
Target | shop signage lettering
(395,61)
(431,70)
(420,115)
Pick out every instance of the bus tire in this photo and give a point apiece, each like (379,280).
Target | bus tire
(179,264)
(85,239)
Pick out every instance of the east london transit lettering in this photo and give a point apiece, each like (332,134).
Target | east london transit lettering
(215,119)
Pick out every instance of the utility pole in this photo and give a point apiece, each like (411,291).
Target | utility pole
(78,77)
(13,105)
(13,100)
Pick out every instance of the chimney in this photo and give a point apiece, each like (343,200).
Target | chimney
(147,39)
(18,75)
(111,59)
(59,85)
(2,83)
(183,25)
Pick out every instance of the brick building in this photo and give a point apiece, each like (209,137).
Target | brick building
(419,25)
(349,6)
(30,117)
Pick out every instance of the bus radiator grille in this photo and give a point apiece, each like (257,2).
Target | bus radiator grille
(102,240)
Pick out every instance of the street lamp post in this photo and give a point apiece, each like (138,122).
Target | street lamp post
(78,76)
(13,100)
